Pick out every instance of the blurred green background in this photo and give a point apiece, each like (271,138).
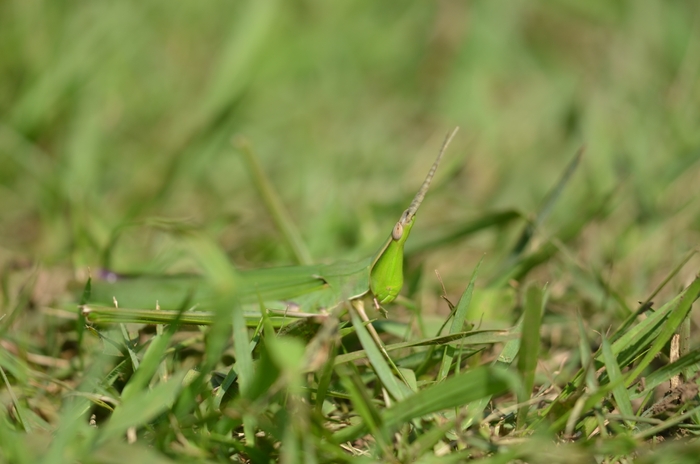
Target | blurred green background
(116,120)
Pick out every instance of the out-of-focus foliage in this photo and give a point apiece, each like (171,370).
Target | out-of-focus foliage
(115,128)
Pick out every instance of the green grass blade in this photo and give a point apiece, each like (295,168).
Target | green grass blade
(646,338)
(545,209)
(80,322)
(586,355)
(143,406)
(230,76)
(456,391)
(646,304)
(148,365)
(324,377)
(615,374)
(685,364)
(23,298)
(213,261)
(364,407)
(245,42)
(458,320)
(15,402)
(673,421)
(535,300)
(504,360)
(675,319)
(441,238)
(477,337)
(241,347)
(589,403)
(428,440)
(674,272)
(517,268)
(279,214)
(376,358)
(629,346)
(129,347)
(637,338)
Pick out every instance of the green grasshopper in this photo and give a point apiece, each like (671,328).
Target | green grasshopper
(292,290)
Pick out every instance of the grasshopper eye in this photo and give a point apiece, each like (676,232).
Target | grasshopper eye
(397,232)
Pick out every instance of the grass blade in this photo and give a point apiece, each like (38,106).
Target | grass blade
(15,402)
(456,391)
(375,357)
(477,337)
(241,347)
(496,219)
(279,214)
(535,300)
(505,359)
(148,366)
(460,316)
(363,404)
(615,374)
(675,319)
(143,406)
(646,304)
(586,355)
(687,364)
(545,209)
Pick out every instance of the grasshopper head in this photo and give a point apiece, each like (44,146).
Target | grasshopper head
(406,218)
(410,213)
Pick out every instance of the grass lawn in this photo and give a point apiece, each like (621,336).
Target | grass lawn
(184,187)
